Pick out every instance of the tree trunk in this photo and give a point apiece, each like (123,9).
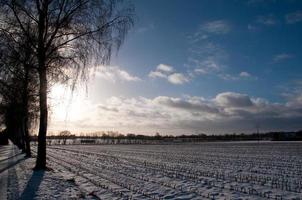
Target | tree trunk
(41,157)
(27,139)
(25,128)
(21,134)
(25,112)
(41,52)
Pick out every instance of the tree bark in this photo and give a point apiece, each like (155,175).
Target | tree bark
(41,157)
(41,52)
(27,139)
(25,113)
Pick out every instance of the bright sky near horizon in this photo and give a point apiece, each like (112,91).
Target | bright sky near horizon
(211,66)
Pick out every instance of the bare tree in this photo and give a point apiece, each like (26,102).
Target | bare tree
(64,135)
(69,37)
(18,83)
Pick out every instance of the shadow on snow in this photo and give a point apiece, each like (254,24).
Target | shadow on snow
(32,185)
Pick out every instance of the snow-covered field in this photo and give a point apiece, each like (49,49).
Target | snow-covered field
(250,170)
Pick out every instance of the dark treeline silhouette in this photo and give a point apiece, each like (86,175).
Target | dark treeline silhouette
(111,137)
(18,84)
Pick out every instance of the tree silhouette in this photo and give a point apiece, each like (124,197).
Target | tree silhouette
(69,38)
(64,135)
(18,83)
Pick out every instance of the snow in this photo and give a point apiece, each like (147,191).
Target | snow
(184,171)
(194,171)
(9,156)
(19,181)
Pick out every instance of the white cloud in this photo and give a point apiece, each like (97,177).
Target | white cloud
(161,71)
(241,76)
(210,28)
(244,74)
(228,77)
(262,20)
(210,63)
(281,57)
(207,58)
(177,78)
(267,20)
(114,73)
(216,27)
(227,112)
(211,59)
(200,71)
(167,72)
(157,74)
(165,68)
(294,17)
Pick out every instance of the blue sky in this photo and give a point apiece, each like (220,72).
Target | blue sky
(162,35)
(192,57)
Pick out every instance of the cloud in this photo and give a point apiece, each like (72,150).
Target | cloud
(294,17)
(167,72)
(231,99)
(207,66)
(157,74)
(210,28)
(216,27)
(281,57)
(161,71)
(193,104)
(114,73)
(227,77)
(241,76)
(208,58)
(268,20)
(200,71)
(177,78)
(262,20)
(164,68)
(227,112)
(105,108)
(244,74)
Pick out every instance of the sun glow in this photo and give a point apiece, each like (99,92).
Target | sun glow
(67,106)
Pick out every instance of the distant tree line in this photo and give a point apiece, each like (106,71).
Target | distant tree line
(66,137)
